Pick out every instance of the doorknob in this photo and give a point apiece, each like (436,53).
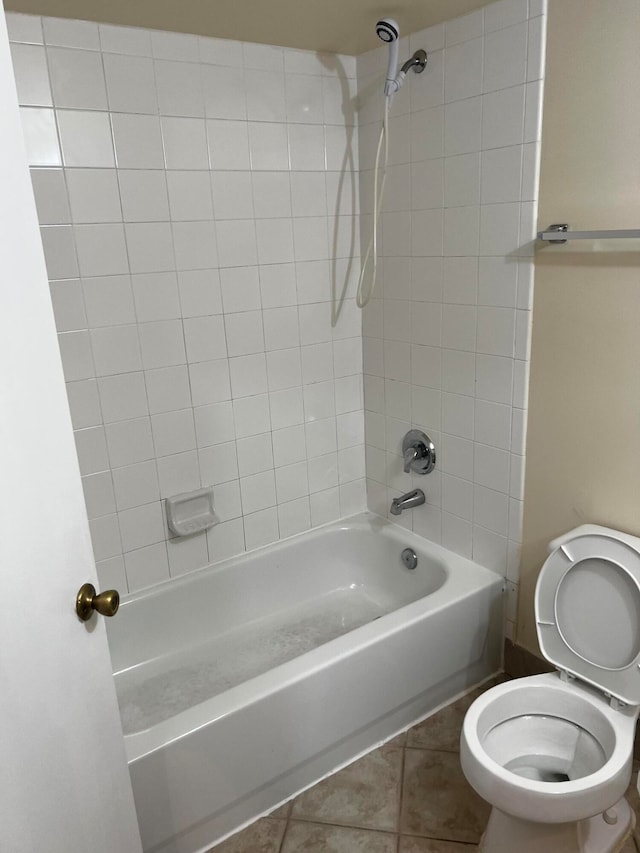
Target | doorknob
(87,601)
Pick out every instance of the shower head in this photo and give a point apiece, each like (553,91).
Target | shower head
(388,30)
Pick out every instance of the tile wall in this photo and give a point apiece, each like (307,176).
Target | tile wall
(198,206)
(447,334)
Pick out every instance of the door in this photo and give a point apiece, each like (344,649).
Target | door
(64,784)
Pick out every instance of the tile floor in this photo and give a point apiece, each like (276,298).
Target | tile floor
(408,796)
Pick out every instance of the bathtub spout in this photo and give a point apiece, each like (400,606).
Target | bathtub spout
(408,501)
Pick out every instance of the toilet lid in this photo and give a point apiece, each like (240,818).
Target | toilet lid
(588,609)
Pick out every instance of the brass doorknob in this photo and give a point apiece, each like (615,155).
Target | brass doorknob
(87,601)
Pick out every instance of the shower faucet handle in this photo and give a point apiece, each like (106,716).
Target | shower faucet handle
(419,452)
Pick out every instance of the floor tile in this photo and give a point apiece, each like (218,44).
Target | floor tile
(282,811)
(365,794)
(322,838)
(264,836)
(438,802)
(430,845)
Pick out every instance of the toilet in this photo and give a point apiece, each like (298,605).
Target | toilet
(553,753)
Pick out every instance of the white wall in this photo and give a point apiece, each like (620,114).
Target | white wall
(446,338)
(187,191)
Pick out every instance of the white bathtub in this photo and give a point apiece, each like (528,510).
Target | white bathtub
(243,683)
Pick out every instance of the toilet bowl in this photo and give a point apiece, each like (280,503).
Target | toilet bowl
(553,753)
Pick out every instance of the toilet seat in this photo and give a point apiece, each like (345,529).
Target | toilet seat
(587,608)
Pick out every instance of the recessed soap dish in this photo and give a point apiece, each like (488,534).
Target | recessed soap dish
(190,512)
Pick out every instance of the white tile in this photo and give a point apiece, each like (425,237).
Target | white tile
(491,509)
(138,141)
(101,250)
(315,323)
(462,180)
(185,143)
(504,13)
(248,375)
(350,429)
(353,497)
(251,415)
(84,403)
(187,554)
(141,526)
(105,537)
(228,143)
(261,528)
(194,244)
(240,289)
(294,517)
(214,424)
(150,247)
(31,75)
(463,28)
(289,446)
(179,473)
(218,463)
(325,506)
(463,70)
(322,472)
(179,89)
(77,358)
(501,174)
(168,45)
(397,361)
(115,350)
(461,231)
(457,496)
(130,84)
(281,328)
(59,252)
(310,238)
(494,378)
(458,372)
(224,92)
(135,485)
(286,408)
(168,389)
(77,79)
(457,534)
(319,401)
(205,338)
(226,540)
(460,280)
(308,193)
(129,442)
(85,138)
(71,33)
(173,432)
(321,437)
(265,96)
(268,146)
(68,305)
(92,450)
(244,333)
(536,49)
(109,301)
(232,195)
(427,232)
(263,57)
(50,193)
(499,228)
(291,482)
(111,573)
(128,40)
(533,112)
(427,133)
(144,195)
(505,58)
(162,344)
(215,51)
(271,194)
(503,117)
(317,363)
(41,139)
(275,241)
(146,566)
(459,327)
(313,282)
(156,296)
(255,454)
(24,28)
(497,282)
(493,424)
(199,292)
(457,415)
(305,99)
(210,381)
(490,550)
(258,491)
(93,195)
(237,243)
(226,501)
(462,126)
(496,331)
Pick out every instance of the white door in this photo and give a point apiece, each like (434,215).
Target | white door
(64,784)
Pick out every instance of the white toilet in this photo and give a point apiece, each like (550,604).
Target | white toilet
(553,753)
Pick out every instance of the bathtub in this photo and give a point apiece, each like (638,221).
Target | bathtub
(244,683)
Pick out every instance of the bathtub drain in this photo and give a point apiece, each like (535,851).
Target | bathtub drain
(409,558)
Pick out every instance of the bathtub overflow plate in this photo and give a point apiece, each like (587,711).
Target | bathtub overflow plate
(409,558)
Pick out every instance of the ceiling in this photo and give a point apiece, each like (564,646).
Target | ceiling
(338,26)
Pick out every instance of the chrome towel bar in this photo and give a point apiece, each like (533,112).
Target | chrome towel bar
(559,233)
